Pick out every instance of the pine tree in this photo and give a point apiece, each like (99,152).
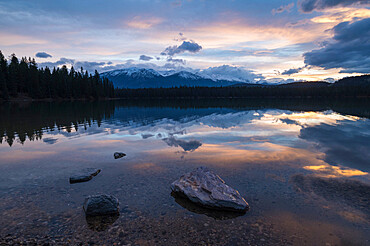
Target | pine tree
(13,75)
(3,87)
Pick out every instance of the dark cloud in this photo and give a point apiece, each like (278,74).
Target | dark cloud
(349,49)
(292,71)
(308,6)
(185,145)
(189,46)
(42,55)
(181,61)
(282,8)
(145,58)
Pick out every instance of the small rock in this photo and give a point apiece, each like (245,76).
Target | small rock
(118,155)
(101,205)
(79,178)
(85,176)
(205,188)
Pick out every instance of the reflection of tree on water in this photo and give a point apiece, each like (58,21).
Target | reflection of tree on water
(19,122)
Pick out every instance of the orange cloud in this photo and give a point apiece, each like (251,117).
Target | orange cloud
(338,15)
(143,23)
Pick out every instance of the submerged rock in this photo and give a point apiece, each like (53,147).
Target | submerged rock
(205,188)
(101,222)
(118,155)
(84,176)
(101,205)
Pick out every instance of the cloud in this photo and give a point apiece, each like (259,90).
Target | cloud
(145,58)
(60,62)
(180,61)
(189,46)
(181,37)
(139,22)
(89,66)
(282,8)
(308,6)
(43,55)
(227,72)
(86,65)
(185,145)
(349,49)
(292,71)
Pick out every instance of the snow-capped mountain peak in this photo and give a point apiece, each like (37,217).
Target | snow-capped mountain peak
(148,78)
(134,72)
(188,75)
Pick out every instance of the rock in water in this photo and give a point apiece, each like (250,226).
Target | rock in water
(118,155)
(101,205)
(205,188)
(79,178)
(85,175)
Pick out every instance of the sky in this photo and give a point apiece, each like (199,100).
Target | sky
(270,40)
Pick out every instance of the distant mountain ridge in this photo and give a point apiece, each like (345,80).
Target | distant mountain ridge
(149,78)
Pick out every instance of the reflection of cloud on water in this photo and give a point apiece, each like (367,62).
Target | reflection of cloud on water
(346,144)
(240,156)
(322,138)
(148,166)
(185,145)
(50,140)
(148,135)
(334,171)
(315,118)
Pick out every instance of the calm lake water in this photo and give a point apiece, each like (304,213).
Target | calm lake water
(303,167)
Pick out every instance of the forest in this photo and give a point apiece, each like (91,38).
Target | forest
(20,79)
(351,87)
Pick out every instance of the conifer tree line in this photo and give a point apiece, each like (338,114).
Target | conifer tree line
(351,87)
(24,78)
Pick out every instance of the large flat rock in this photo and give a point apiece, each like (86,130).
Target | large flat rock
(205,188)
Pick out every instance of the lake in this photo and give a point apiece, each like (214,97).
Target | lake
(303,167)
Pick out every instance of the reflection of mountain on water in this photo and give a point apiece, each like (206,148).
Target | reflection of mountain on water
(21,122)
(185,145)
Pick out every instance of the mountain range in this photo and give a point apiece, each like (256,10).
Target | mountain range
(149,78)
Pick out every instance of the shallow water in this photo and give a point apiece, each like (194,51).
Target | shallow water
(302,167)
